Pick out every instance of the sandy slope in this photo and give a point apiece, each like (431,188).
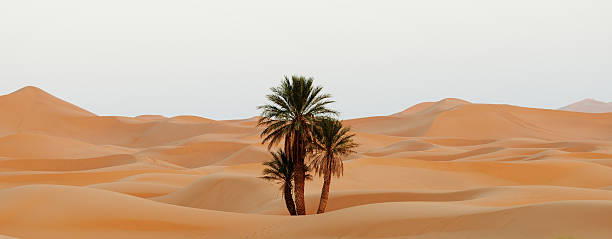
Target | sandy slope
(447,169)
(102,214)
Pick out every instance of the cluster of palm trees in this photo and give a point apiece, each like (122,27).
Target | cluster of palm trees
(299,116)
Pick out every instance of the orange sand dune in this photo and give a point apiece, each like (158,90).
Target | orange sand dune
(249,193)
(100,214)
(195,155)
(450,118)
(38,146)
(150,117)
(66,164)
(448,103)
(504,121)
(412,122)
(166,132)
(138,189)
(173,179)
(446,169)
(189,119)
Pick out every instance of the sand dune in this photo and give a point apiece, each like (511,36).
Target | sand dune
(195,155)
(211,193)
(453,118)
(402,146)
(99,214)
(415,121)
(504,121)
(589,106)
(446,169)
(175,179)
(38,146)
(215,190)
(168,131)
(138,189)
(187,119)
(442,105)
(150,117)
(67,164)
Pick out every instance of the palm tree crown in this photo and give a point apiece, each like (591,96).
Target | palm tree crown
(333,141)
(296,103)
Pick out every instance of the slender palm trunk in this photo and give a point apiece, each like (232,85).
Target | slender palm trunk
(324,193)
(299,175)
(287,188)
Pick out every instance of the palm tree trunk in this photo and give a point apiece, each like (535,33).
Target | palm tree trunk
(287,188)
(324,193)
(299,176)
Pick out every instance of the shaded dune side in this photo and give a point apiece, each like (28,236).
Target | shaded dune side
(247,193)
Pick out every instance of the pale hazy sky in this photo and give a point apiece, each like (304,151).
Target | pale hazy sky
(217,59)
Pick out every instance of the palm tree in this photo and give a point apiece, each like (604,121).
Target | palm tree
(280,169)
(332,143)
(290,117)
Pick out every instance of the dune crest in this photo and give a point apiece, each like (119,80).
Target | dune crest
(443,104)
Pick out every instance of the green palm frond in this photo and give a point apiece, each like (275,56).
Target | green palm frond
(332,143)
(279,168)
(293,109)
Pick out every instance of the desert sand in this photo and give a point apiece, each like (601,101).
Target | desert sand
(446,169)
(589,106)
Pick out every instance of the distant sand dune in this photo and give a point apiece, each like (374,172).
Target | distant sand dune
(589,106)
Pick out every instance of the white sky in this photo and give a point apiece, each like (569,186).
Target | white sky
(217,59)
